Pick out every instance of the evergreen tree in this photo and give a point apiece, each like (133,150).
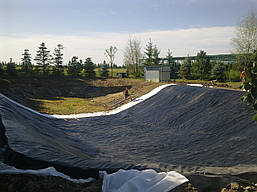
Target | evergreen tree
(195,70)
(26,62)
(58,60)
(11,68)
(201,68)
(74,66)
(169,57)
(42,57)
(185,69)
(149,51)
(156,53)
(152,54)
(174,67)
(218,71)
(104,70)
(89,67)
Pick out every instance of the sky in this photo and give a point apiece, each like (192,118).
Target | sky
(86,28)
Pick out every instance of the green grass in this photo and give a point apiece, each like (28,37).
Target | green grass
(115,71)
(68,105)
(108,97)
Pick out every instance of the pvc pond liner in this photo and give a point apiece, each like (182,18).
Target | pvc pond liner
(191,130)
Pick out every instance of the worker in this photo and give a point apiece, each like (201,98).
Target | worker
(243,75)
(126,94)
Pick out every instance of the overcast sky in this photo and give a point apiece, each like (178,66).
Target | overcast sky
(87,27)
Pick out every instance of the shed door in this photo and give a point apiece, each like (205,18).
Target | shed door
(155,76)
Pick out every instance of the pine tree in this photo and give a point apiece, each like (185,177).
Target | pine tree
(58,60)
(26,62)
(89,67)
(149,51)
(156,53)
(104,71)
(152,54)
(218,71)
(42,57)
(169,57)
(201,68)
(185,69)
(74,66)
(174,67)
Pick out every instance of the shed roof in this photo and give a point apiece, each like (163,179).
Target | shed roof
(157,67)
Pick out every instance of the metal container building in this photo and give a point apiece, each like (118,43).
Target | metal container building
(157,73)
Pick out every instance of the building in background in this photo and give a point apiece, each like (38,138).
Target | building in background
(157,73)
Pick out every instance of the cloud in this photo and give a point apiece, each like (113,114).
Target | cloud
(213,40)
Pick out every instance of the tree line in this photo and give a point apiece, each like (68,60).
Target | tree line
(46,64)
(200,68)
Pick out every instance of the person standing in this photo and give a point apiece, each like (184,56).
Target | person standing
(126,94)
(243,75)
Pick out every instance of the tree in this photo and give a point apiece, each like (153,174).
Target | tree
(218,71)
(245,45)
(26,62)
(11,68)
(74,66)
(156,53)
(169,57)
(133,56)
(185,69)
(89,67)
(201,68)
(152,54)
(58,60)
(245,41)
(174,67)
(149,51)
(104,70)
(42,57)
(110,54)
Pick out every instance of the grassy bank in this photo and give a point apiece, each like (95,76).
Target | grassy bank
(66,95)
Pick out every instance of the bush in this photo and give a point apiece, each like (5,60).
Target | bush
(233,75)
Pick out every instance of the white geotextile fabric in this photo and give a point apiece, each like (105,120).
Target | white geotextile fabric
(141,181)
(50,171)
(195,85)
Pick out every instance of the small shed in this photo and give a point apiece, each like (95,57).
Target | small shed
(157,73)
